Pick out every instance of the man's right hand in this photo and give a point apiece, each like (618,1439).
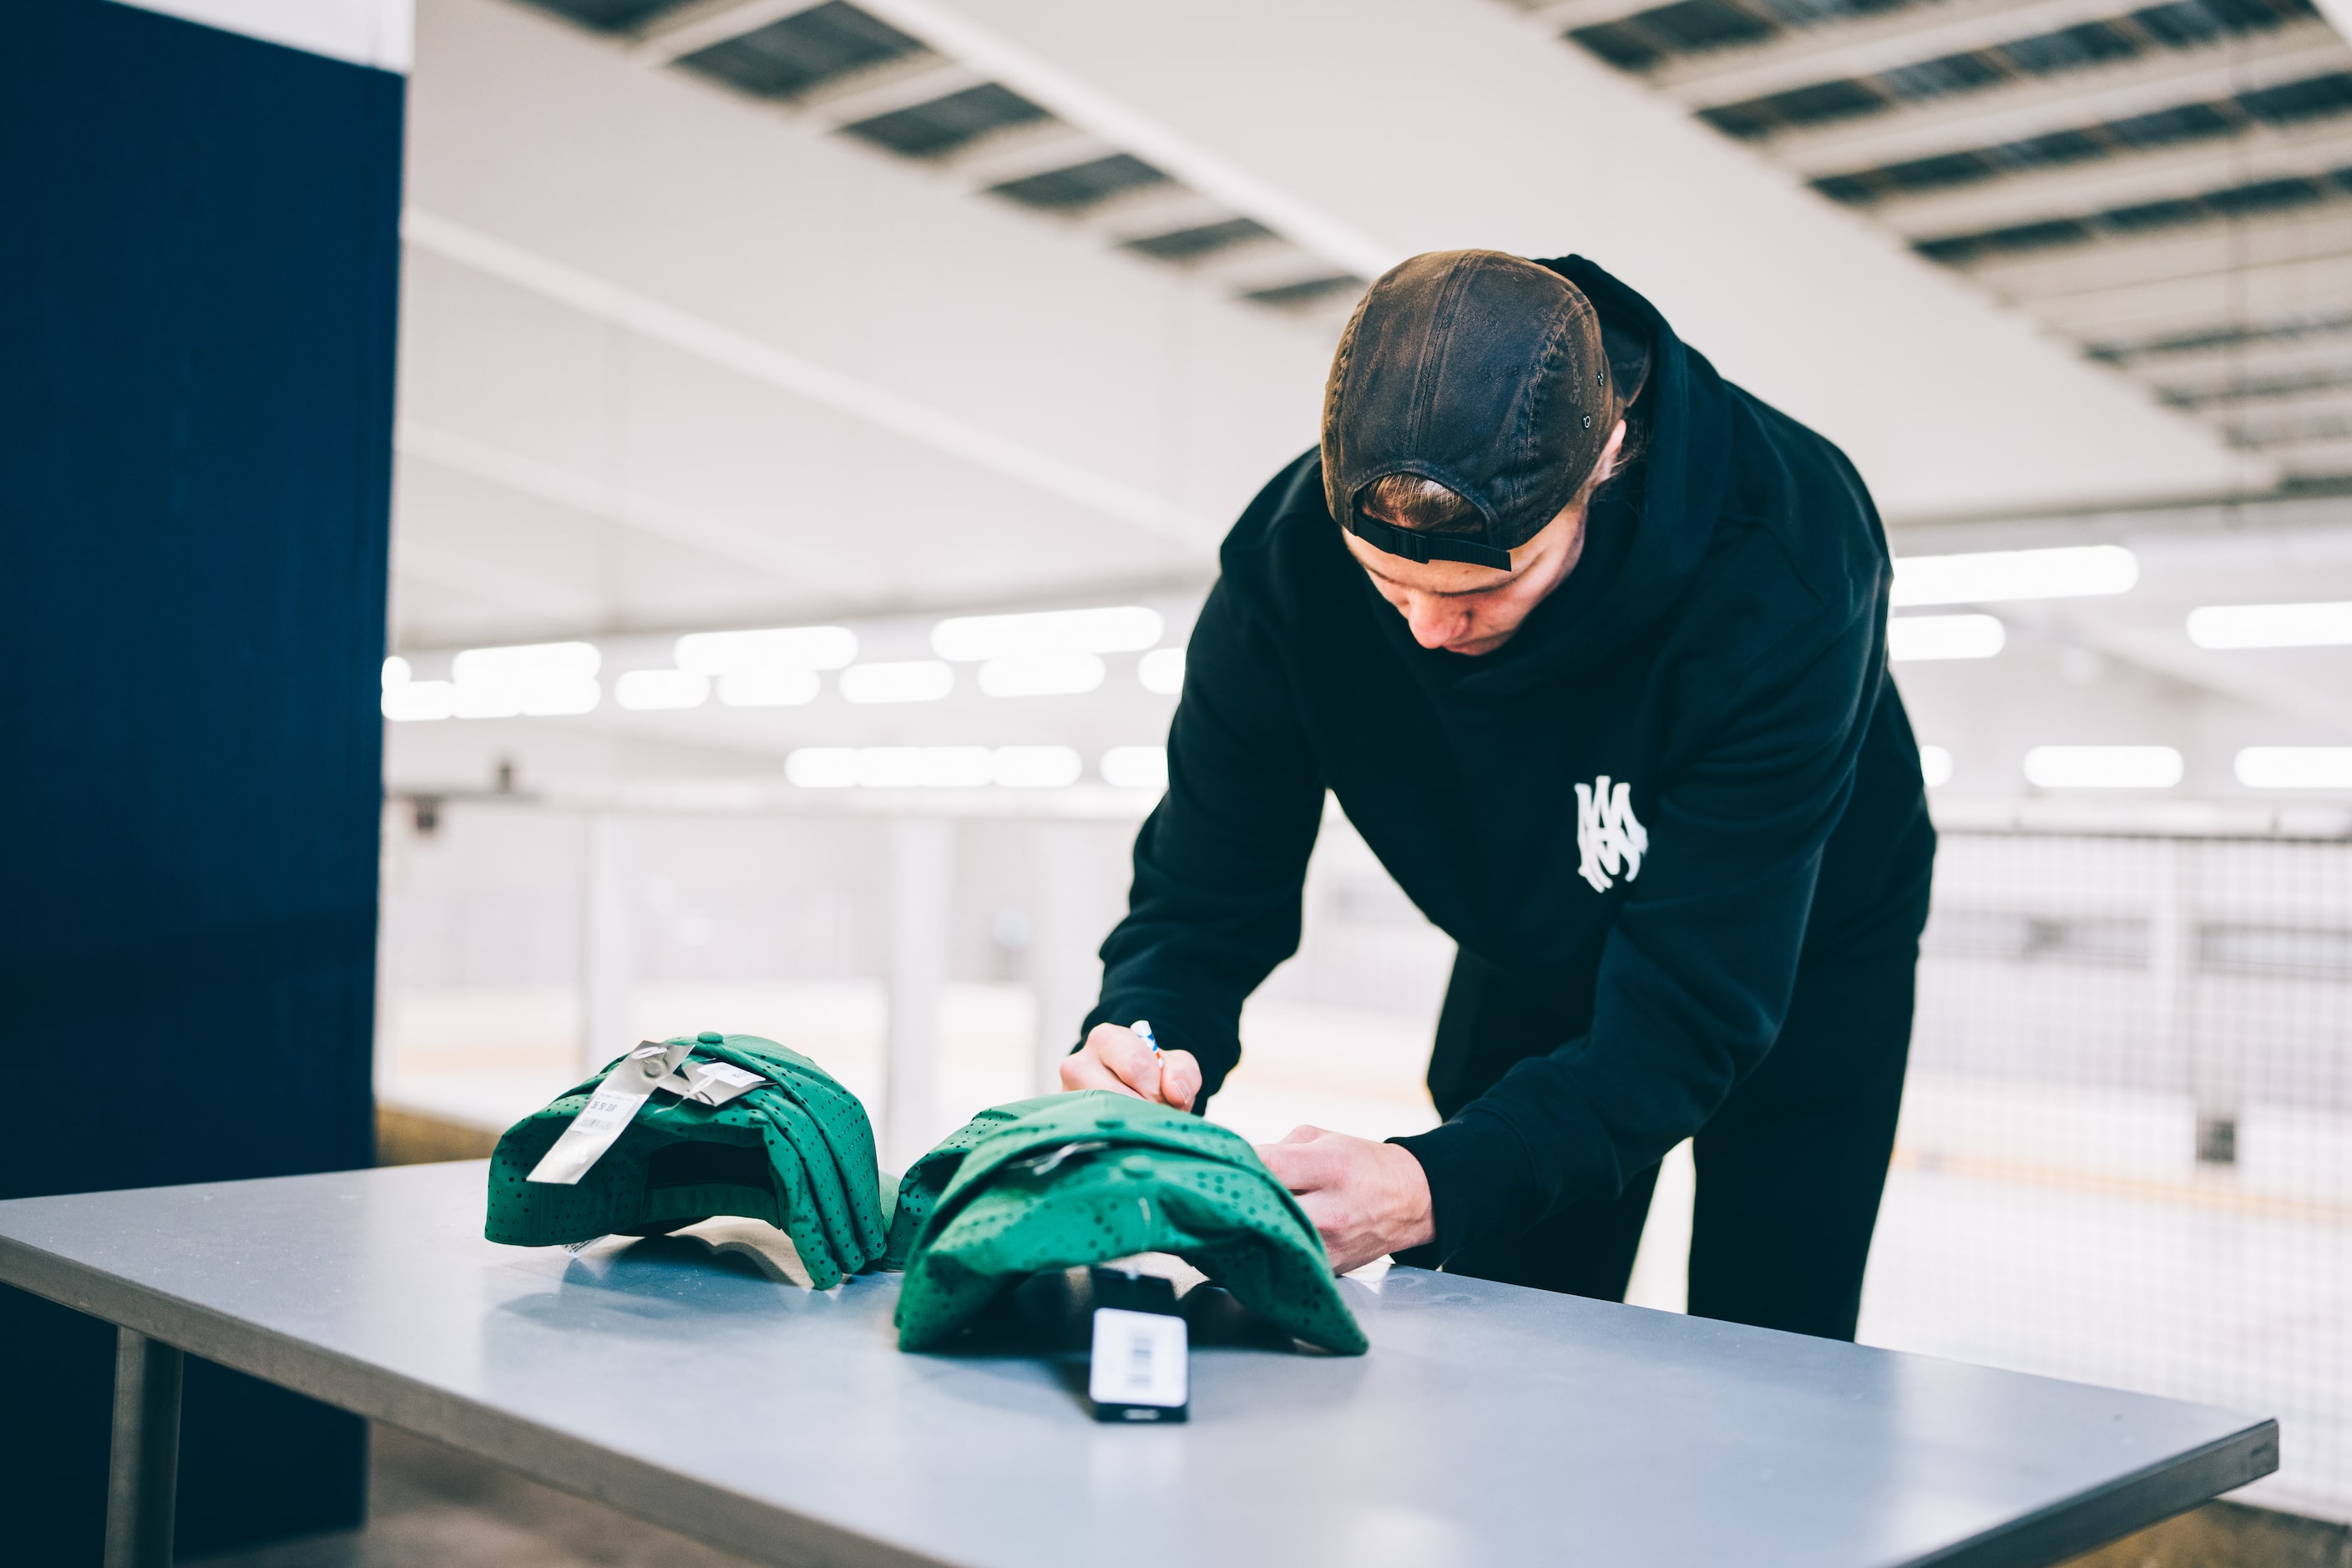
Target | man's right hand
(1116,1058)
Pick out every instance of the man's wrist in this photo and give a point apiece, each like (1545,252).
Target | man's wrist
(1414,1220)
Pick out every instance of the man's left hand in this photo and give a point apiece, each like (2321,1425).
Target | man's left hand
(1365,1198)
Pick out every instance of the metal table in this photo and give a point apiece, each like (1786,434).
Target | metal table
(1489,1424)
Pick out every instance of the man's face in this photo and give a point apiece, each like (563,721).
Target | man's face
(1466,609)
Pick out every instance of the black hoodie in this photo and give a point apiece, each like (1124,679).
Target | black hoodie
(1718,655)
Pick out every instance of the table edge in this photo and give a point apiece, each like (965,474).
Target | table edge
(675,1500)
(2108,1513)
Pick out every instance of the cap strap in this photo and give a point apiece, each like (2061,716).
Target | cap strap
(1414,546)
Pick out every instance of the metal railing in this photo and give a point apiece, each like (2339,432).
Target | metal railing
(2127,1150)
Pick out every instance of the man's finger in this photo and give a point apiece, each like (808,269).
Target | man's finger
(1179,1078)
(1085,1070)
(1302,1167)
(1123,1052)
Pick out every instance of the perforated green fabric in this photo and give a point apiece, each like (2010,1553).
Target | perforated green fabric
(928,1177)
(1082,1178)
(797,1152)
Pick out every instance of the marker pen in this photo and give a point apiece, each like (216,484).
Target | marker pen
(1143,1027)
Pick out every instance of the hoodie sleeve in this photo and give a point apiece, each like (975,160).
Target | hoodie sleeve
(1220,863)
(1695,974)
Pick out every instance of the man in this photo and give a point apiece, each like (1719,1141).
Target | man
(1591,646)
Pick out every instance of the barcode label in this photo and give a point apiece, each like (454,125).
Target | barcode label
(610,1108)
(608,1112)
(1138,1359)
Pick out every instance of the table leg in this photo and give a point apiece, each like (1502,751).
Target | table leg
(143,1481)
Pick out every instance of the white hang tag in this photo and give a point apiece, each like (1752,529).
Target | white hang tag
(608,1111)
(1139,1371)
(720,1082)
(716,1083)
(709,1082)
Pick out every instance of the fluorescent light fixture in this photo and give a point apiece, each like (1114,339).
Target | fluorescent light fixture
(932,767)
(1935,766)
(1136,767)
(533,664)
(780,648)
(1034,767)
(2270,626)
(1123,629)
(1041,674)
(913,681)
(396,672)
(479,701)
(411,701)
(645,689)
(923,767)
(2295,767)
(1943,636)
(2103,767)
(767,687)
(543,699)
(535,679)
(1162,670)
(1987,576)
(822,767)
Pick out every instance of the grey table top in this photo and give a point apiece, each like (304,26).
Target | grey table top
(1489,1425)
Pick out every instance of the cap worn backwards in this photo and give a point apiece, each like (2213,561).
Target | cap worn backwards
(1483,371)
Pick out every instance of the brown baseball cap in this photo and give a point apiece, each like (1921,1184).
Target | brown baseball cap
(1484,372)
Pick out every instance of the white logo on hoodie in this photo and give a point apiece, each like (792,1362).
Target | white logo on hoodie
(1608,837)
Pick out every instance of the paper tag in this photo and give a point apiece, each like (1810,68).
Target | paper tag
(710,1083)
(1139,1371)
(610,1110)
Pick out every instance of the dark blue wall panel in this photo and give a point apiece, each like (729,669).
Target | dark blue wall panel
(197,272)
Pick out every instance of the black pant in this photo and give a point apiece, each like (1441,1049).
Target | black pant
(1790,1168)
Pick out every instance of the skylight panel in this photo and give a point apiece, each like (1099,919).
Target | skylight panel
(943,125)
(789,56)
(1081,185)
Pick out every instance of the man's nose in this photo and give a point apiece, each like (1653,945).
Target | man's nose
(1434,622)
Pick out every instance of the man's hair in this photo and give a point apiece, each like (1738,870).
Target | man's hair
(1408,501)
(1425,506)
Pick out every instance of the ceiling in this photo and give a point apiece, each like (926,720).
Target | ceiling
(2168,187)
(748,313)
(845,70)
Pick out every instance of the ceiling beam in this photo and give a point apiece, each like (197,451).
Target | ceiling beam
(819,383)
(689,30)
(2078,190)
(2214,247)
(2036,106)
(2251,295)
(650,515)
(1901,38)
(2199,372)
(2321,414)
(2292,529)
(997,55)
(1564,14)
(2315,457)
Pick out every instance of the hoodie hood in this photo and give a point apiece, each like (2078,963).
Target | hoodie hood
(1647,531)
